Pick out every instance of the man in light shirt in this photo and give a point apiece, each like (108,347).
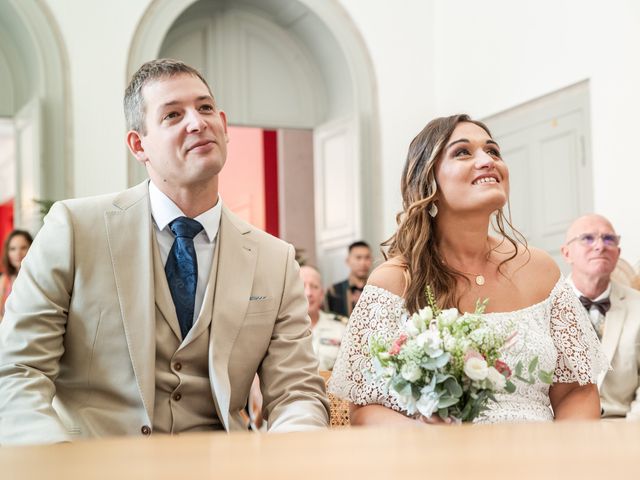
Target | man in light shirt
(592,250)
(327,329)
(151,310)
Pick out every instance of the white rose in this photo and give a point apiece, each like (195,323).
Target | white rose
(411,372)
(427,404)
(497,379)
(476,368)
(447,317)
(426,315)
(430,342)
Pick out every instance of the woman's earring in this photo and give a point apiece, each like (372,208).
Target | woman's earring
(433,210)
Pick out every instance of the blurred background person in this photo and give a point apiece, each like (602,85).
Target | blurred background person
(15,249)
(326,328)
(343,296)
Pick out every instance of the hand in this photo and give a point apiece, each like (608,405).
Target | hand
(436,420)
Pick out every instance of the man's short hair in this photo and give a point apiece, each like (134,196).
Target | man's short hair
(134,107)
(359,243)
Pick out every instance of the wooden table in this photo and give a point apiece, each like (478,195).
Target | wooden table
(602,450)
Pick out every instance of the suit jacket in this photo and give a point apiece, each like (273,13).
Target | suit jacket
(77,345)
(620,386)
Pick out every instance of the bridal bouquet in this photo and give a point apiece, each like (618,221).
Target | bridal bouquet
(449,364)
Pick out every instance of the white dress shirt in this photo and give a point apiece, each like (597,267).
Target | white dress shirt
(594,314)
(164,211)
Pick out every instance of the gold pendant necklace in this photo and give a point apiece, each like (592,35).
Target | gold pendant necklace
(477,277)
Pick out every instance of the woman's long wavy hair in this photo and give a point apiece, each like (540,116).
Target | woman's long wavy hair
(414,243)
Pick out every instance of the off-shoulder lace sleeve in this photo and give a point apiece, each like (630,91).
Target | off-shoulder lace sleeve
(378,311)
(580,357)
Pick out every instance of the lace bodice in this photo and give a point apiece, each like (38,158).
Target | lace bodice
(556,330)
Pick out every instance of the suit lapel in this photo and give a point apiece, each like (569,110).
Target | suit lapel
(129,232)
(236,265)
(613,323)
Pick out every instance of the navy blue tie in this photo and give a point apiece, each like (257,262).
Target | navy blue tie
(182,270)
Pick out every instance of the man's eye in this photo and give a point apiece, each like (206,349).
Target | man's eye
(170,115)
(207,108)
(588,238)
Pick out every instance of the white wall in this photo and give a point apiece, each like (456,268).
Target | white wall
(430,58)
(97,36)
(400,40)
(496,54)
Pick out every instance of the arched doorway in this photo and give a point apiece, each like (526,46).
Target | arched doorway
(287,64)
(34,112)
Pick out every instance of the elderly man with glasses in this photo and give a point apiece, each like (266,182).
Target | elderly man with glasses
(592,248)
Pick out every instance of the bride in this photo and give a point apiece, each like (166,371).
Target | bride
(454,180)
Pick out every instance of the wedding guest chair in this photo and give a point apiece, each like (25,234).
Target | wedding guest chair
(339,408)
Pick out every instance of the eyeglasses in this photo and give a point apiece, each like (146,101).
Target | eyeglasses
(590,239)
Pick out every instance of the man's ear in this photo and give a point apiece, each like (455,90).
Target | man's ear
(134,142)
(565,254)
(223,117)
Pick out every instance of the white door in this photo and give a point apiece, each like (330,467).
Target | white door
(337,196)
(545,144)
(28,134)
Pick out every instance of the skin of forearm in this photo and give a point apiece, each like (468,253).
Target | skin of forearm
(378,415)
(576,402)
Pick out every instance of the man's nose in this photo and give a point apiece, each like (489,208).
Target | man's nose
(195,121)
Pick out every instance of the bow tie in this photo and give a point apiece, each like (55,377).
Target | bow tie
(603,305)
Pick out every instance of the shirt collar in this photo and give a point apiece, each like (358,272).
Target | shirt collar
(164,211)
(603,295)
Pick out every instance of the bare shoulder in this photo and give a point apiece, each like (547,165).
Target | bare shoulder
(540,270)
(391,275)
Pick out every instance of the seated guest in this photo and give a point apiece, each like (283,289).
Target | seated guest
(326,328)
(151,310)
(592,249)
(15,249)
(343,296)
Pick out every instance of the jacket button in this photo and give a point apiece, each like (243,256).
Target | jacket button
(178,366)
(177,397)
(145,430)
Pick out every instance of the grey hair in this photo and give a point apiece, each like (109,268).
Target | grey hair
(134,107)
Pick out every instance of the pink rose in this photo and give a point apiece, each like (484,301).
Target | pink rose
(503,368)
(397,344)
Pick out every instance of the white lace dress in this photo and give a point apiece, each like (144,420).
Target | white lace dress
(556,330)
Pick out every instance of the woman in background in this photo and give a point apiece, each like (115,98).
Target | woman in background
(453,183)
(14,251)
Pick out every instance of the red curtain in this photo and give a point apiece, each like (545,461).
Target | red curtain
(6,222)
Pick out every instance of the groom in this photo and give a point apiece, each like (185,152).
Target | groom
(151,310)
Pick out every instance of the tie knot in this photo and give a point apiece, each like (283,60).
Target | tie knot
(185,227)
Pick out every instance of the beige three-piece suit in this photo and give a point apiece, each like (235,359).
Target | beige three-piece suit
(620,386)
(78,346)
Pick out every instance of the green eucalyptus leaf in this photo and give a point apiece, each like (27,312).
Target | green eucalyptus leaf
(533,365)
(509,387)
(447,402)
(453,387)
(519,368)
(545,377)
